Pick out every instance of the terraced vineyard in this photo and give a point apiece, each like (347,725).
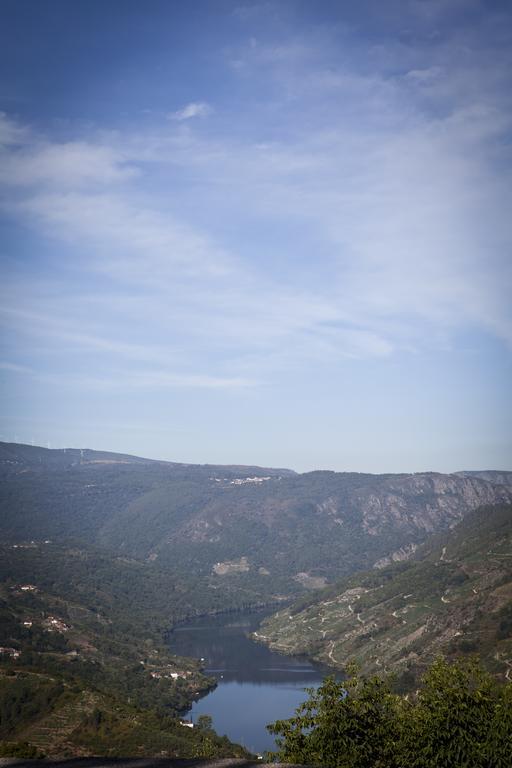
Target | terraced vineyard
(84,668)
(454,597)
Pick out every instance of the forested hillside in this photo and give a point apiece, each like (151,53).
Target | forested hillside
(103,553)
(258,532)
(83,663)
(453,597)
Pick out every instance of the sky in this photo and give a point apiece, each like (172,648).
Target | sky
(273,233)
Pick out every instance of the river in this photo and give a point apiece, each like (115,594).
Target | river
(255,685)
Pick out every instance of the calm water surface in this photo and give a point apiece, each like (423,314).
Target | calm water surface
(255,685)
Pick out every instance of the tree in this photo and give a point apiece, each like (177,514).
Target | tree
(351,724)
(449,724)
(459,718)
(204,723)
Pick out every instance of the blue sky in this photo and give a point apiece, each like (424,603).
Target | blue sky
(258,232)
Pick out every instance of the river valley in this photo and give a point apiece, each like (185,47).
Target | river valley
(255,686)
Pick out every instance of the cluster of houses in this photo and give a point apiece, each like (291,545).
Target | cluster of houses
(170,675)
(12,652)
(245,480)
(52,624)
(164,674)
(241,480)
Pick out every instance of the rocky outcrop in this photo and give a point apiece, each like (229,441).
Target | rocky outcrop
(427,502)
(404,553)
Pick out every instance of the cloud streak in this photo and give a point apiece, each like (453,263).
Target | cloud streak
(189,111)
(379,181)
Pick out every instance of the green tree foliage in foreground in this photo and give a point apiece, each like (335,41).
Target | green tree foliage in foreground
(459,718)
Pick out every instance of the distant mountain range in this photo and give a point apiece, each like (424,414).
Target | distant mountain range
(248,533)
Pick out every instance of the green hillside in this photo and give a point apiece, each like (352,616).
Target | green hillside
(103,553)
(84,668)
(260,533)
(454,597)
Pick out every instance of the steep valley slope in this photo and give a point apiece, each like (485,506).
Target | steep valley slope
(84,666)
(102,553)
(454,596)
(244,533)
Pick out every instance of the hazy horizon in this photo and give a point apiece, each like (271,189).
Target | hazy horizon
(267,233)
(263,465)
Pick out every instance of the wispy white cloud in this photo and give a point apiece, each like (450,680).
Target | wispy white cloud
(380,183)
(11,132)
(66,165)
(194,109)
(59,326)
(14,367)
(423,76)
(126,381)
(130,240)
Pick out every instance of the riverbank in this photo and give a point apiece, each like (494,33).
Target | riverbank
(255,686)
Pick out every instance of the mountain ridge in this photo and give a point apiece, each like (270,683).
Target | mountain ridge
(257,532)
(20,453)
